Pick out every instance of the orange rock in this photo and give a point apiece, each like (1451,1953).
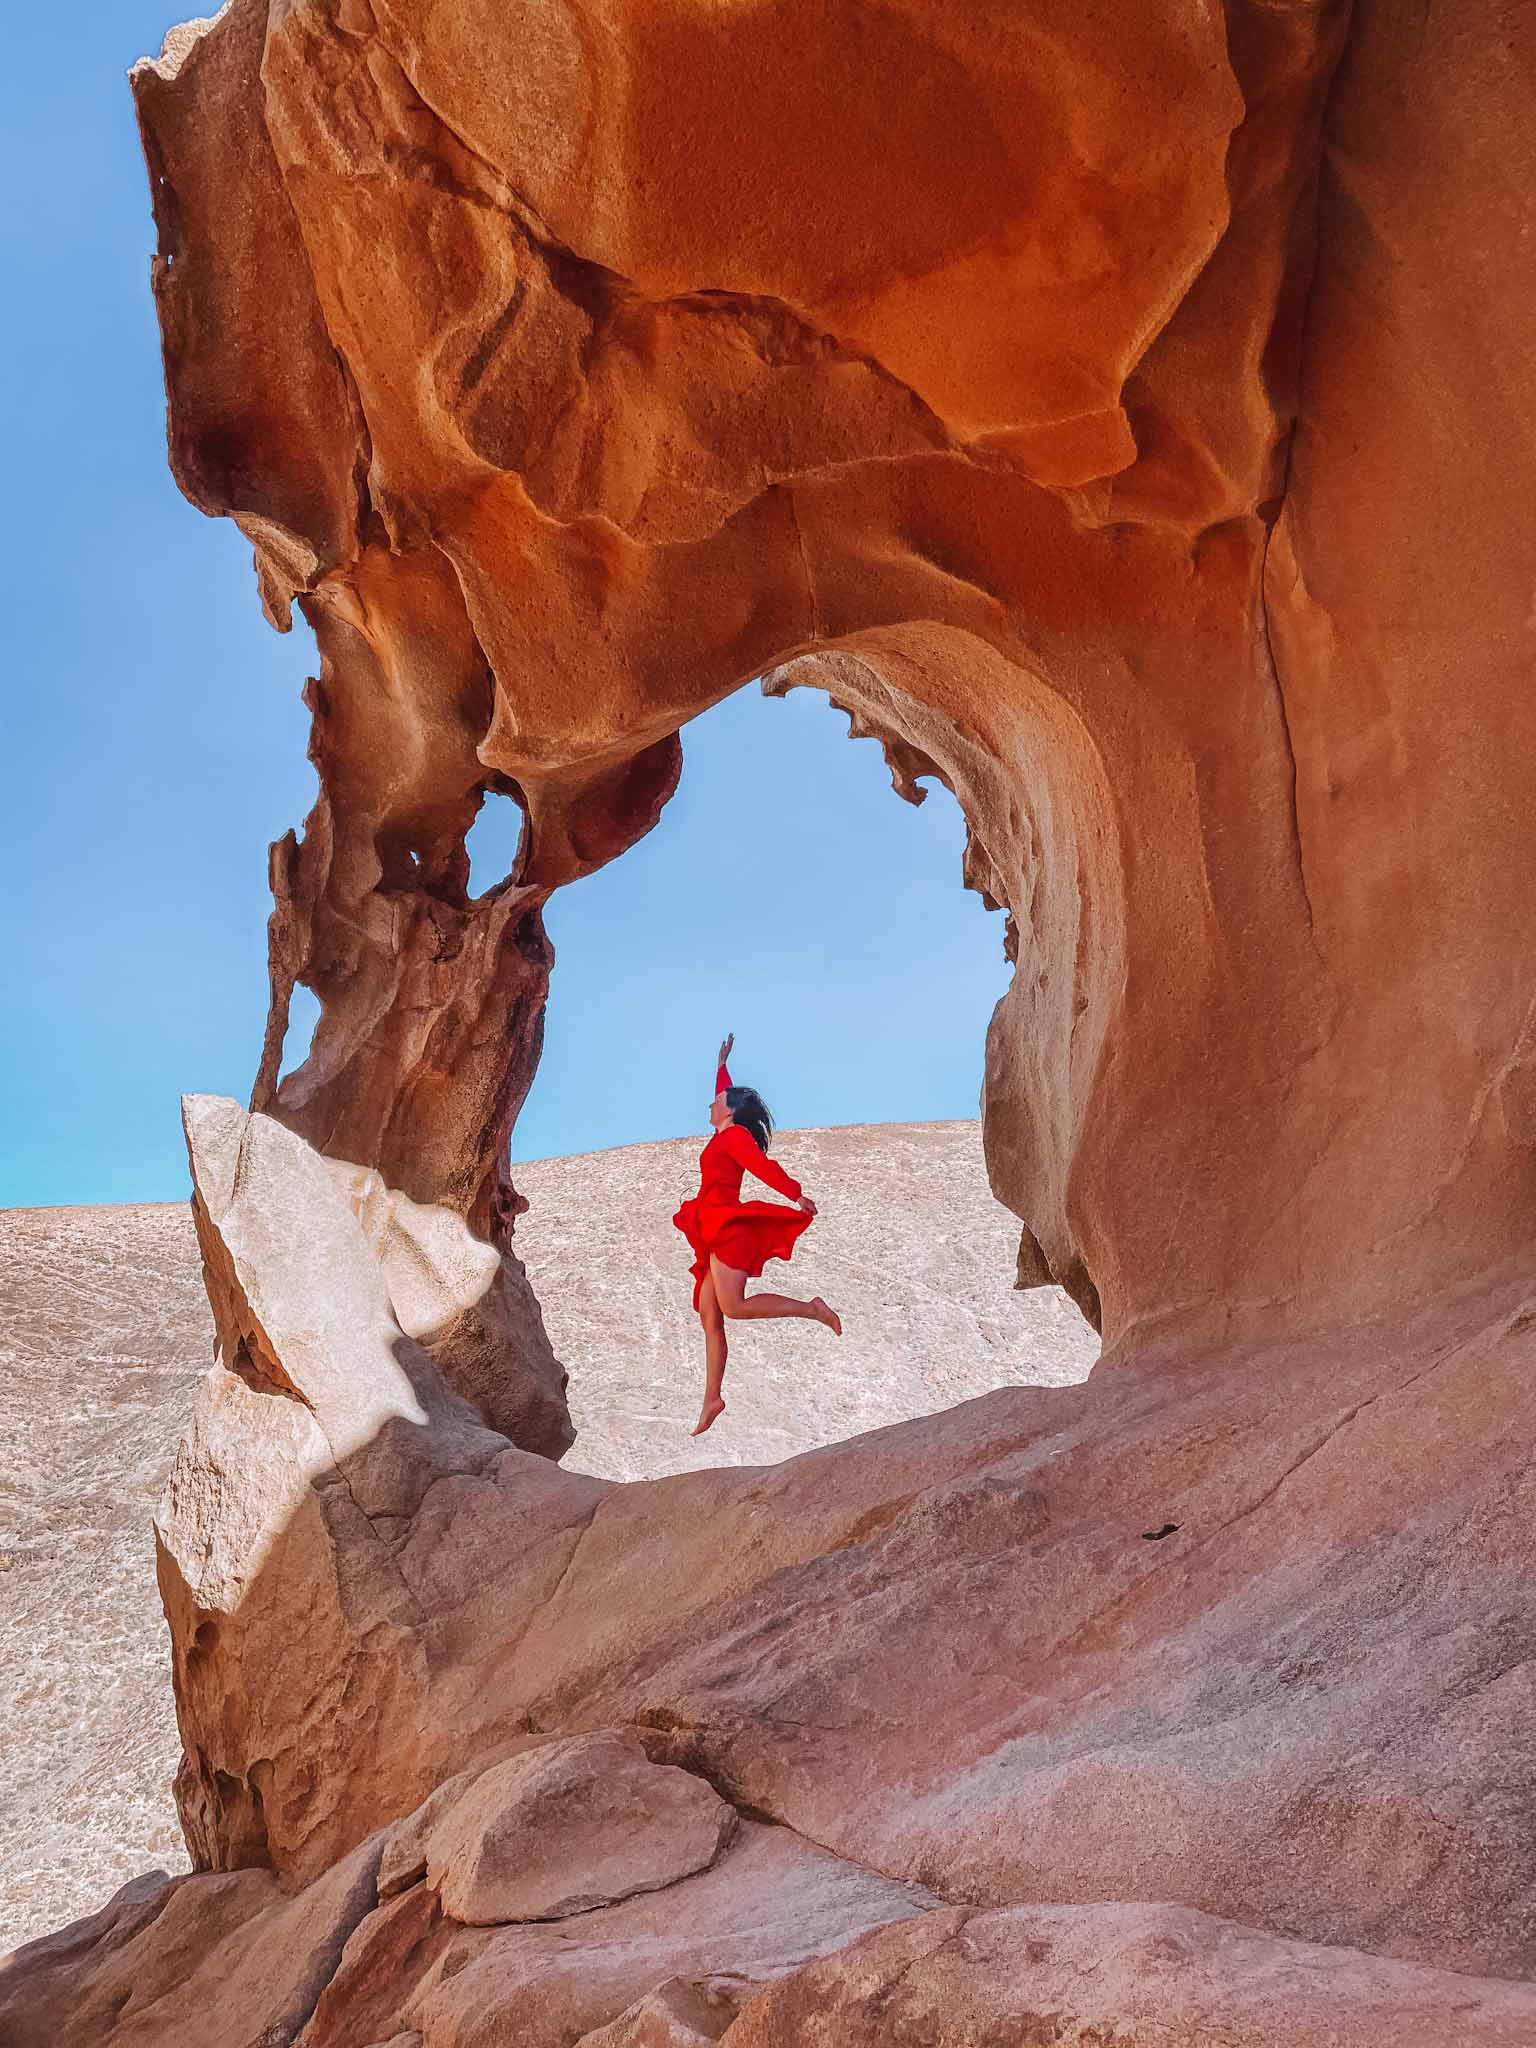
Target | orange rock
(1123,413)
(952,370)
(1023,386)
(211,1957)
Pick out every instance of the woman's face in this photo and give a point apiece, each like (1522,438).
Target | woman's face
(719,1115)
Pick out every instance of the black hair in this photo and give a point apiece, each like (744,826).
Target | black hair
(748,1109)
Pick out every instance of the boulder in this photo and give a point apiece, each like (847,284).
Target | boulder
(223,1956)
(226,1956)
(568,1826)
(772,1903)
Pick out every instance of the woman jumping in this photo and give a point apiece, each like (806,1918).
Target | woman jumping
(733,1240)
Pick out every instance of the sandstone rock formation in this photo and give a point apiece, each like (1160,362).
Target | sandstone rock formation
(1110,1974)
(228,1958)
(1146,1636)
(1041,1977)
(1124,413)
(106,1331)
(1086,402)
(1101,1641)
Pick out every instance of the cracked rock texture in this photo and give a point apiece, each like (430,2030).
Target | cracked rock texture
(1125,413)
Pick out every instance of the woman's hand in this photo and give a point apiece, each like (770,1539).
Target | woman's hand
(725,1048)
(807,1205)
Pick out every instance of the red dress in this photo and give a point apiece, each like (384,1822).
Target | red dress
(745,1235)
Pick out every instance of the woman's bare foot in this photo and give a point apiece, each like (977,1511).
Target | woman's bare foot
(710,1412)
(826,1315)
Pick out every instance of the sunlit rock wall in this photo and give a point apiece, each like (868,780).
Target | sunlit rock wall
(1125,413)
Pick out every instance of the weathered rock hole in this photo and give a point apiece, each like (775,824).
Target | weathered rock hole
(492,843)
(783,895)
(1157,1535)
(303,1018)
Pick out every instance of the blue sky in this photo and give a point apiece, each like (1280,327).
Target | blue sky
(154,744)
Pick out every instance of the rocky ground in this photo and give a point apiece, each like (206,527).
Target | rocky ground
(1188,1701)
(104,1329)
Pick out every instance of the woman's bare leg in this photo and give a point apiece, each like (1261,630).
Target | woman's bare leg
(714,1356)
(730,1288)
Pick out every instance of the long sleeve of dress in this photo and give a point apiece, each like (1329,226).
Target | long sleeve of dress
(751,1158)
(722,1078)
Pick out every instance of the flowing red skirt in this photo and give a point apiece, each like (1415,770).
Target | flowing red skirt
(745,1235)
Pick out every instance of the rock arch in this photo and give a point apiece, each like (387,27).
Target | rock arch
(556,441)
(1153,462)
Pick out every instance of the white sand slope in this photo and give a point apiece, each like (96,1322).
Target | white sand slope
(908,1245)
(103,1333)
(104,1329)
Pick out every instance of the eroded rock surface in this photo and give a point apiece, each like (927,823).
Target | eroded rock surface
(1124,413)
(1125,1977)
(1017,1648)
(567,1826)
(334,1965)
(1083,398)
(108,1331)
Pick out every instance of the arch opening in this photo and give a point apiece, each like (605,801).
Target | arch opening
(493,844)
(299,1035)
(822,909)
